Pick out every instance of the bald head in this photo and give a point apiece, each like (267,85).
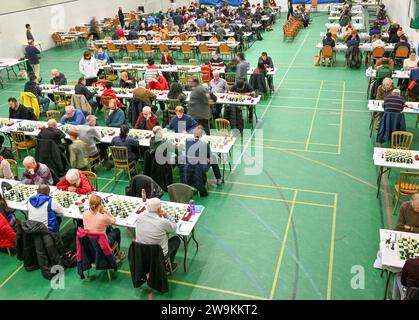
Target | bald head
(52,123)
(396,92)
(43,189)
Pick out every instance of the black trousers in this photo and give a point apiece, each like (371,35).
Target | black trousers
(270,82)
(114,236)
(173,245)
(290,12)
(204,124)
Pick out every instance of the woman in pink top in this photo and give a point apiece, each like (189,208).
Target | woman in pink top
(99,220)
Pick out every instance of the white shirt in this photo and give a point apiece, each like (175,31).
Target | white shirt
(89,68)
(409,64)
(41,214)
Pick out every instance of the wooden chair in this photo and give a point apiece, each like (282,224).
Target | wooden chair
(104,101)
(187,50)
(91,176)
(327,52)
(14,168)
(60,42)
(127,59)
(94,160)
(222,125)
(401,53)
(132,50)
(110,74)
(147,49)
(204,52)
(54,114)
(225,50)
(314,5)
(113,49)
(61,100)
(213,39)
(183,37)
(401,140)
(230,77)
(193,62)
(120,160)
(407,185)
(21,143)
(192,39)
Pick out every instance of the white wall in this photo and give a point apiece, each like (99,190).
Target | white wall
(399,10)
(45,21)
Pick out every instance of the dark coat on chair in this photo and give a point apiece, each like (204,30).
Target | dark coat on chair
(48,153)
(258,82)
(161,173)
(148,259)
(140,182)
(35,246)
(390,122)
(93,248)
(134,110)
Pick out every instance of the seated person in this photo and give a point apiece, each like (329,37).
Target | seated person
(375,30)
(147,120)
(354,40)
(414,73)
(328,41)
(395,38)
(143,94)
(75,181)
(119,34)
(216,61)
(81,89)
(154,227)
(181,122)
(384,61)
(411,62)
(52,133)
(158,82)
(102,57)
(347,31)
(33,87)
(79,153)
(89,135)
(45,209)
(394,102)
(158,141)
(115,117)
(123,140)
(58,78)
(151,64)
(5,172)
(73,116)
(206,77)
(166,58)
(242,87)
(377,42)
(402,43)
(108,92)
(176,92)
(385,89)
(18,111)
(36,173)
(98,219)
(127,81)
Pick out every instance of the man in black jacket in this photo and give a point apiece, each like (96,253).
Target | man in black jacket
(178,20)
(81,88)
(33,87)
(56,135)
(267,61)
(58,79)
(121,17)
(17,111)
(31,53)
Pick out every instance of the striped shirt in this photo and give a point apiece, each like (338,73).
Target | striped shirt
(393,103)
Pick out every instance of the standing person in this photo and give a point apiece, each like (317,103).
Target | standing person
(198,106)
(241,68)
(94,29)
(121,17)
(29,35)
(267,61)
(31,53)
(290,9)
(89,68)
(90,44)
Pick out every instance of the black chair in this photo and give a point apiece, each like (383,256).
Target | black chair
(412,293)
(161,173)
(139,182)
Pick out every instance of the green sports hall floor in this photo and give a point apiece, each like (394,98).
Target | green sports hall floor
(293,231)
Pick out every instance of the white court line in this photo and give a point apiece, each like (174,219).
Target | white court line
(270,101)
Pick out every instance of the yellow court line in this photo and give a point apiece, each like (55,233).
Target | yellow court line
(327,166)
(337,111)
(107,184)
(309,80)
(314,116)
(284,242)
(332,251)
(278,187)
(323,99)
(193,285)
(271,199)
(300,142)
(341,118)
(11,276)
(289,149)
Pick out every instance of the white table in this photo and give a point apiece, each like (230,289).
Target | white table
(357,26)
(354,18)
(364,47)
(169,43)
(380,161)
(362,36)
(397,74)
(185,229)
(9,64)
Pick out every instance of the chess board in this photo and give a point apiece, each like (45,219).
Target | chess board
(20,193)
(29,126)
(66,198)
(66,128)
(122,207)
(105,132)
(175,211)
(139,134)
(401,156)
(408,248)
(5,123)
(236,98)
(217,142)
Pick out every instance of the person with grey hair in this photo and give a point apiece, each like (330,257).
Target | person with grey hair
(89,135)
(36,173)
(58,78)
(147,120)
(154,227)
(394,102)
(385,89)
(52,133)
(75,181)
(143,94)
(73,116)
(115,117)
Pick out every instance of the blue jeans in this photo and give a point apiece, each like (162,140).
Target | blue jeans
(44,102)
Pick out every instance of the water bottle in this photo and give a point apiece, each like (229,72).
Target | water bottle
(191,207)
(144,195)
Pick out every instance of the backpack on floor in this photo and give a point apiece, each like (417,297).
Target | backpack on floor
(354,58)
(6,153)
(259,36)
(22,75)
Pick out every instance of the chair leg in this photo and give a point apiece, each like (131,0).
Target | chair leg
(129,172)
(397,203)
(109,275)
(9,252)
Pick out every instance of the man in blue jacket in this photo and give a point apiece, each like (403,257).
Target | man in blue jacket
(116,117)
(73,116)
(44,209)
(31,53)
(182,122)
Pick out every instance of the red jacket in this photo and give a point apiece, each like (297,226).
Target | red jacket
(120,33)
(206,77)
(84,187)
(149,124)
(111,93)
(7,235)
(161,84)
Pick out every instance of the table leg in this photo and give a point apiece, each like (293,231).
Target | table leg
(193,238)
(380,174)
(185,245)
(387,284)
